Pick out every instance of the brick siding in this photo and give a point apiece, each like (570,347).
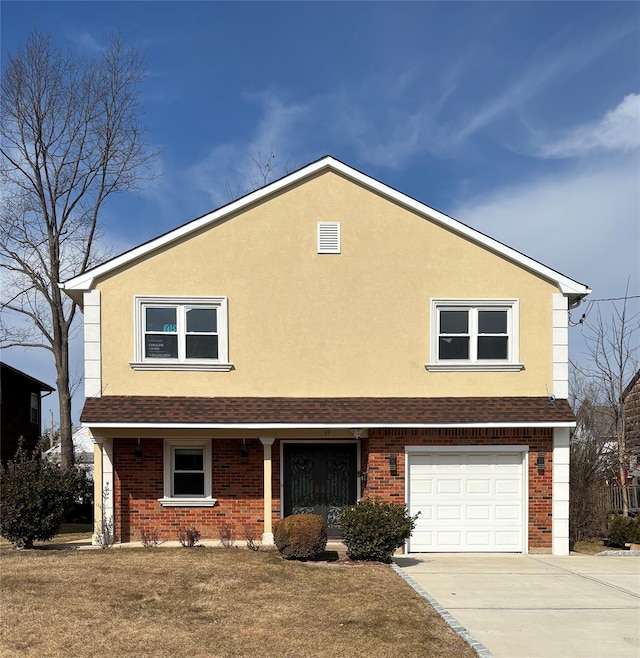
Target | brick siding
(238,487)
(381,484)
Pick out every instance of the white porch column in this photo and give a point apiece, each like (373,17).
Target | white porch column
(97,489)
(267,535)
(103,499)
(560,492)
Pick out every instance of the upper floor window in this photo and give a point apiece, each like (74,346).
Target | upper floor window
(474,335)
(187,333)
(35,408)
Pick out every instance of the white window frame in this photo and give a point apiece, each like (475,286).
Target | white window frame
(141,362)
(169,499)
(473,364)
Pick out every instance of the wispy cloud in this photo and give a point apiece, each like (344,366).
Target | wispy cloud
(552,61)
(85,41)
(618,130)
(572,222)
(232,169)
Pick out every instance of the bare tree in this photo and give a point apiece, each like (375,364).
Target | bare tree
(70,138)
(593,462)
(612,361)
(265,170)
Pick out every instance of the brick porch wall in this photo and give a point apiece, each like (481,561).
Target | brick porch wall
(381,484)
(238,488)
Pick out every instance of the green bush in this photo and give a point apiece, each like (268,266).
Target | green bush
(34,497)
(301,536)
(624,531)
(372,530)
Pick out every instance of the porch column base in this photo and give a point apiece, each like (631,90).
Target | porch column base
(267,539)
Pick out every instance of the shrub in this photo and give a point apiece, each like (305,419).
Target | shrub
(624,531)
(227,538)
(150,537)
(34,497)
(301,536)
(189,537)
(250,536)
(372,530)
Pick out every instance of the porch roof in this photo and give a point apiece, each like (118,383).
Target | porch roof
(258,412)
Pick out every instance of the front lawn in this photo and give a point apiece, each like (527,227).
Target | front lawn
(210,602)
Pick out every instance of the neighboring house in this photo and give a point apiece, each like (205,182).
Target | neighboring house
(82,450)
(21,415)
(322,339)
(631,410)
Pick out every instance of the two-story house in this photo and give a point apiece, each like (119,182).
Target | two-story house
(322,339)
(21,410)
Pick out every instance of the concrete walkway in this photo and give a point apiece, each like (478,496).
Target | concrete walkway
(537,606)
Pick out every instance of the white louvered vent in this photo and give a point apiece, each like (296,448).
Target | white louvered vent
(328,237)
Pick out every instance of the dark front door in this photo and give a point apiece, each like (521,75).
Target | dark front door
(320,478)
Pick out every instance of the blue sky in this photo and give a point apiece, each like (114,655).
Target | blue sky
(520,119)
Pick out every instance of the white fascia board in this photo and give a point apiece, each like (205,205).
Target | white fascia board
(85,281)
(266,426)
(567,286)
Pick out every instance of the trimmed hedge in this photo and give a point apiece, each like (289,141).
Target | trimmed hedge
(372,530)
(301,536)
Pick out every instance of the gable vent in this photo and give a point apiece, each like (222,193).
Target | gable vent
(328,237)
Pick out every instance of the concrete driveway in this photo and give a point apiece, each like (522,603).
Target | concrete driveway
(536,606)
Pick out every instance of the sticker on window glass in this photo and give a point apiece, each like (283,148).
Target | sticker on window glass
(159,346)
(161,319)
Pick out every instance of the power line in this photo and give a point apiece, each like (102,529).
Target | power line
(614,299)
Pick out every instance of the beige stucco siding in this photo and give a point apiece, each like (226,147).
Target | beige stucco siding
(308,324)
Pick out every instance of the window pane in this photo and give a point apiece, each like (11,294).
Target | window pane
(160,319)
(202,347)
(158,346)
(454,322)
(188,484)
(454,348)
(202,319)
(493,347)
(189,459)
(492,322)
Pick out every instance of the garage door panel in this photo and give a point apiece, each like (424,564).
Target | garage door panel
(449,512)
(468,501)
(478,513)
(448,486)
(478,540)
(507,512)
(477,460)
(507,459)
(511,486)
(476,486)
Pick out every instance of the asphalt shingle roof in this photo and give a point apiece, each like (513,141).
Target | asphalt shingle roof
(135,410)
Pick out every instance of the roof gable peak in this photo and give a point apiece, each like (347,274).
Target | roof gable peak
(85,281)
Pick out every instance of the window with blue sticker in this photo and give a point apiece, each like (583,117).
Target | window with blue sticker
(191,331)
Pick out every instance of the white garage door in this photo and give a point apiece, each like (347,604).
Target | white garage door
(468,501)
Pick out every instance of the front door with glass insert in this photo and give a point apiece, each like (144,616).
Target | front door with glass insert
(320,478)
